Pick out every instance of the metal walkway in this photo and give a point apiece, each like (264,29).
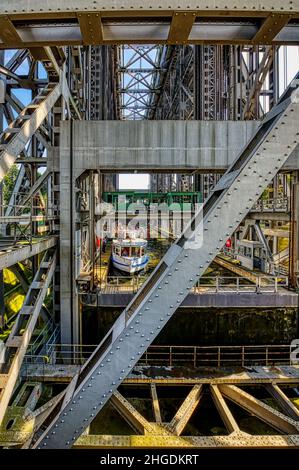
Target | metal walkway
(181,267)
(16,253)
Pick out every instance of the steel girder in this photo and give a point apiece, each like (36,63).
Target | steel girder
(87,22)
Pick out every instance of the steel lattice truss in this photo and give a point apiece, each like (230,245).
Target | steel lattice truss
(138,68)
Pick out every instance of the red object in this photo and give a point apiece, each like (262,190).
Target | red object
(228,243)
(98,242)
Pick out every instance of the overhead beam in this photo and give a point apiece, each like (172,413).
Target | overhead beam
(31,8)
(180,27)
(266,413)
(270,28)
(166,14)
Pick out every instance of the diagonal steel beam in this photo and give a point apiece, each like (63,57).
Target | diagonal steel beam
(155,403)
(266,413)
(223,409)
(288,407)
(186,410)
(134,418)
(19,132)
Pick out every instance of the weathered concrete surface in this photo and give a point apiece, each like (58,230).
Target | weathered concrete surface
(157,145)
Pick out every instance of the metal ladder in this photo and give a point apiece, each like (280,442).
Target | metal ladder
(19,338)
(176,274)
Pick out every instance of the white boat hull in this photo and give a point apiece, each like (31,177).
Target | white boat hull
(130,265)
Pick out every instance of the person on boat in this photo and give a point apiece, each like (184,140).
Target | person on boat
(125,252)
(104,244)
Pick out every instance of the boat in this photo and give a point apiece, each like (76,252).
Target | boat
(129,254)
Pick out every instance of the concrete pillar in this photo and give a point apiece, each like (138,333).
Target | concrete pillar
(69,302)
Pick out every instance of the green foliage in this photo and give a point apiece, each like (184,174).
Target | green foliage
(9,182)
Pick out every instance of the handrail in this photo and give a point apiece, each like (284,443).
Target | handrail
(169,355)
(213,284)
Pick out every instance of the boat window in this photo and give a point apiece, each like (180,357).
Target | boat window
(135,250)
(125,251)
(116,249)
(141,251)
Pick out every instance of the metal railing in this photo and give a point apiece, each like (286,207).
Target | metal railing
(211,284)
(217,356)
(61,354)
(262,284)
(49,332)
(279,204)
(170,356)
(115,284)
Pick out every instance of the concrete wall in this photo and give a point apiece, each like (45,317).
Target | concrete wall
(159,145)
(207,326)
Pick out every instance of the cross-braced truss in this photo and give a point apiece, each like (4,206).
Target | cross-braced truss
(137,69)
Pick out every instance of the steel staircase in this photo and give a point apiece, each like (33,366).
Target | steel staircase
(182,266)
(15,137)
(19,338)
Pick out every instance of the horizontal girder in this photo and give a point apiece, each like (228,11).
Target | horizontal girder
(29,23)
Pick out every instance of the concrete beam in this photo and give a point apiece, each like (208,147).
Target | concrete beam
(266,413)
(176,146)
(19,253)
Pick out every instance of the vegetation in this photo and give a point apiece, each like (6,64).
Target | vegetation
(9,182)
